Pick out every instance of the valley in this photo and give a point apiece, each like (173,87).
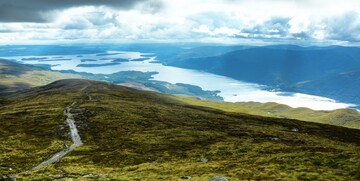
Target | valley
(154,67)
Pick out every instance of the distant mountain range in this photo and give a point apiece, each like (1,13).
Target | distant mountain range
(20,77)
(325,71)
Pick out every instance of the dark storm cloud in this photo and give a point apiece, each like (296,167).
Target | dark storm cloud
(153,6)
(37,10)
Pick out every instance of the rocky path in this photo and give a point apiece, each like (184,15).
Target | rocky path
(74,136)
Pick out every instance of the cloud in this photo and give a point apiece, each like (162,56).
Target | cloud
(275,26)
(343,27)
(235,21)
(40,10)
(202,29)
(151,6)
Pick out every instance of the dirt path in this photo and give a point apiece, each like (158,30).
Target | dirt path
(74,136)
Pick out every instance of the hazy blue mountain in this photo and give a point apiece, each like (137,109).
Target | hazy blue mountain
(342,86)
(325,71)
(321,71)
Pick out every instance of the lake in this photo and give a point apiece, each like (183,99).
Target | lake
(231,90)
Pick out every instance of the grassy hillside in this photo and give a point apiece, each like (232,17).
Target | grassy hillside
(136,135)
(15,76)
(341,117)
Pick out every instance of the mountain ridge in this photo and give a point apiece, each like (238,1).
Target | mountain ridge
(285,68)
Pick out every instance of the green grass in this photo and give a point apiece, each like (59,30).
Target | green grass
(341,117)
(135,135)
(15,76)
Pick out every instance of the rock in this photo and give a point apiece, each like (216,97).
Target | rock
(274,139)
(218,178)
(57,176)
(204,160)
(185,177)
(295,130)
(90,176)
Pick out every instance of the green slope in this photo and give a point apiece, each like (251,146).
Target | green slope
(15,76)
(341,117)
(137,135)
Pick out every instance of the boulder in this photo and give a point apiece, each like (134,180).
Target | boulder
(185,177)
(218,178)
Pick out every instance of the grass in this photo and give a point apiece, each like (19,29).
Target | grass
(136,135)
(341,117)
(15,76)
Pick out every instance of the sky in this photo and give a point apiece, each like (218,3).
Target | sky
(304,22)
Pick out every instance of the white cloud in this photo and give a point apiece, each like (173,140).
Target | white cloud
(188,20)
(202,29)
(225,31)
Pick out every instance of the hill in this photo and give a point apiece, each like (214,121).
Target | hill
(341,117)
(345,86)
(137,135)
(15,76)
(313,70)
(270,66)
